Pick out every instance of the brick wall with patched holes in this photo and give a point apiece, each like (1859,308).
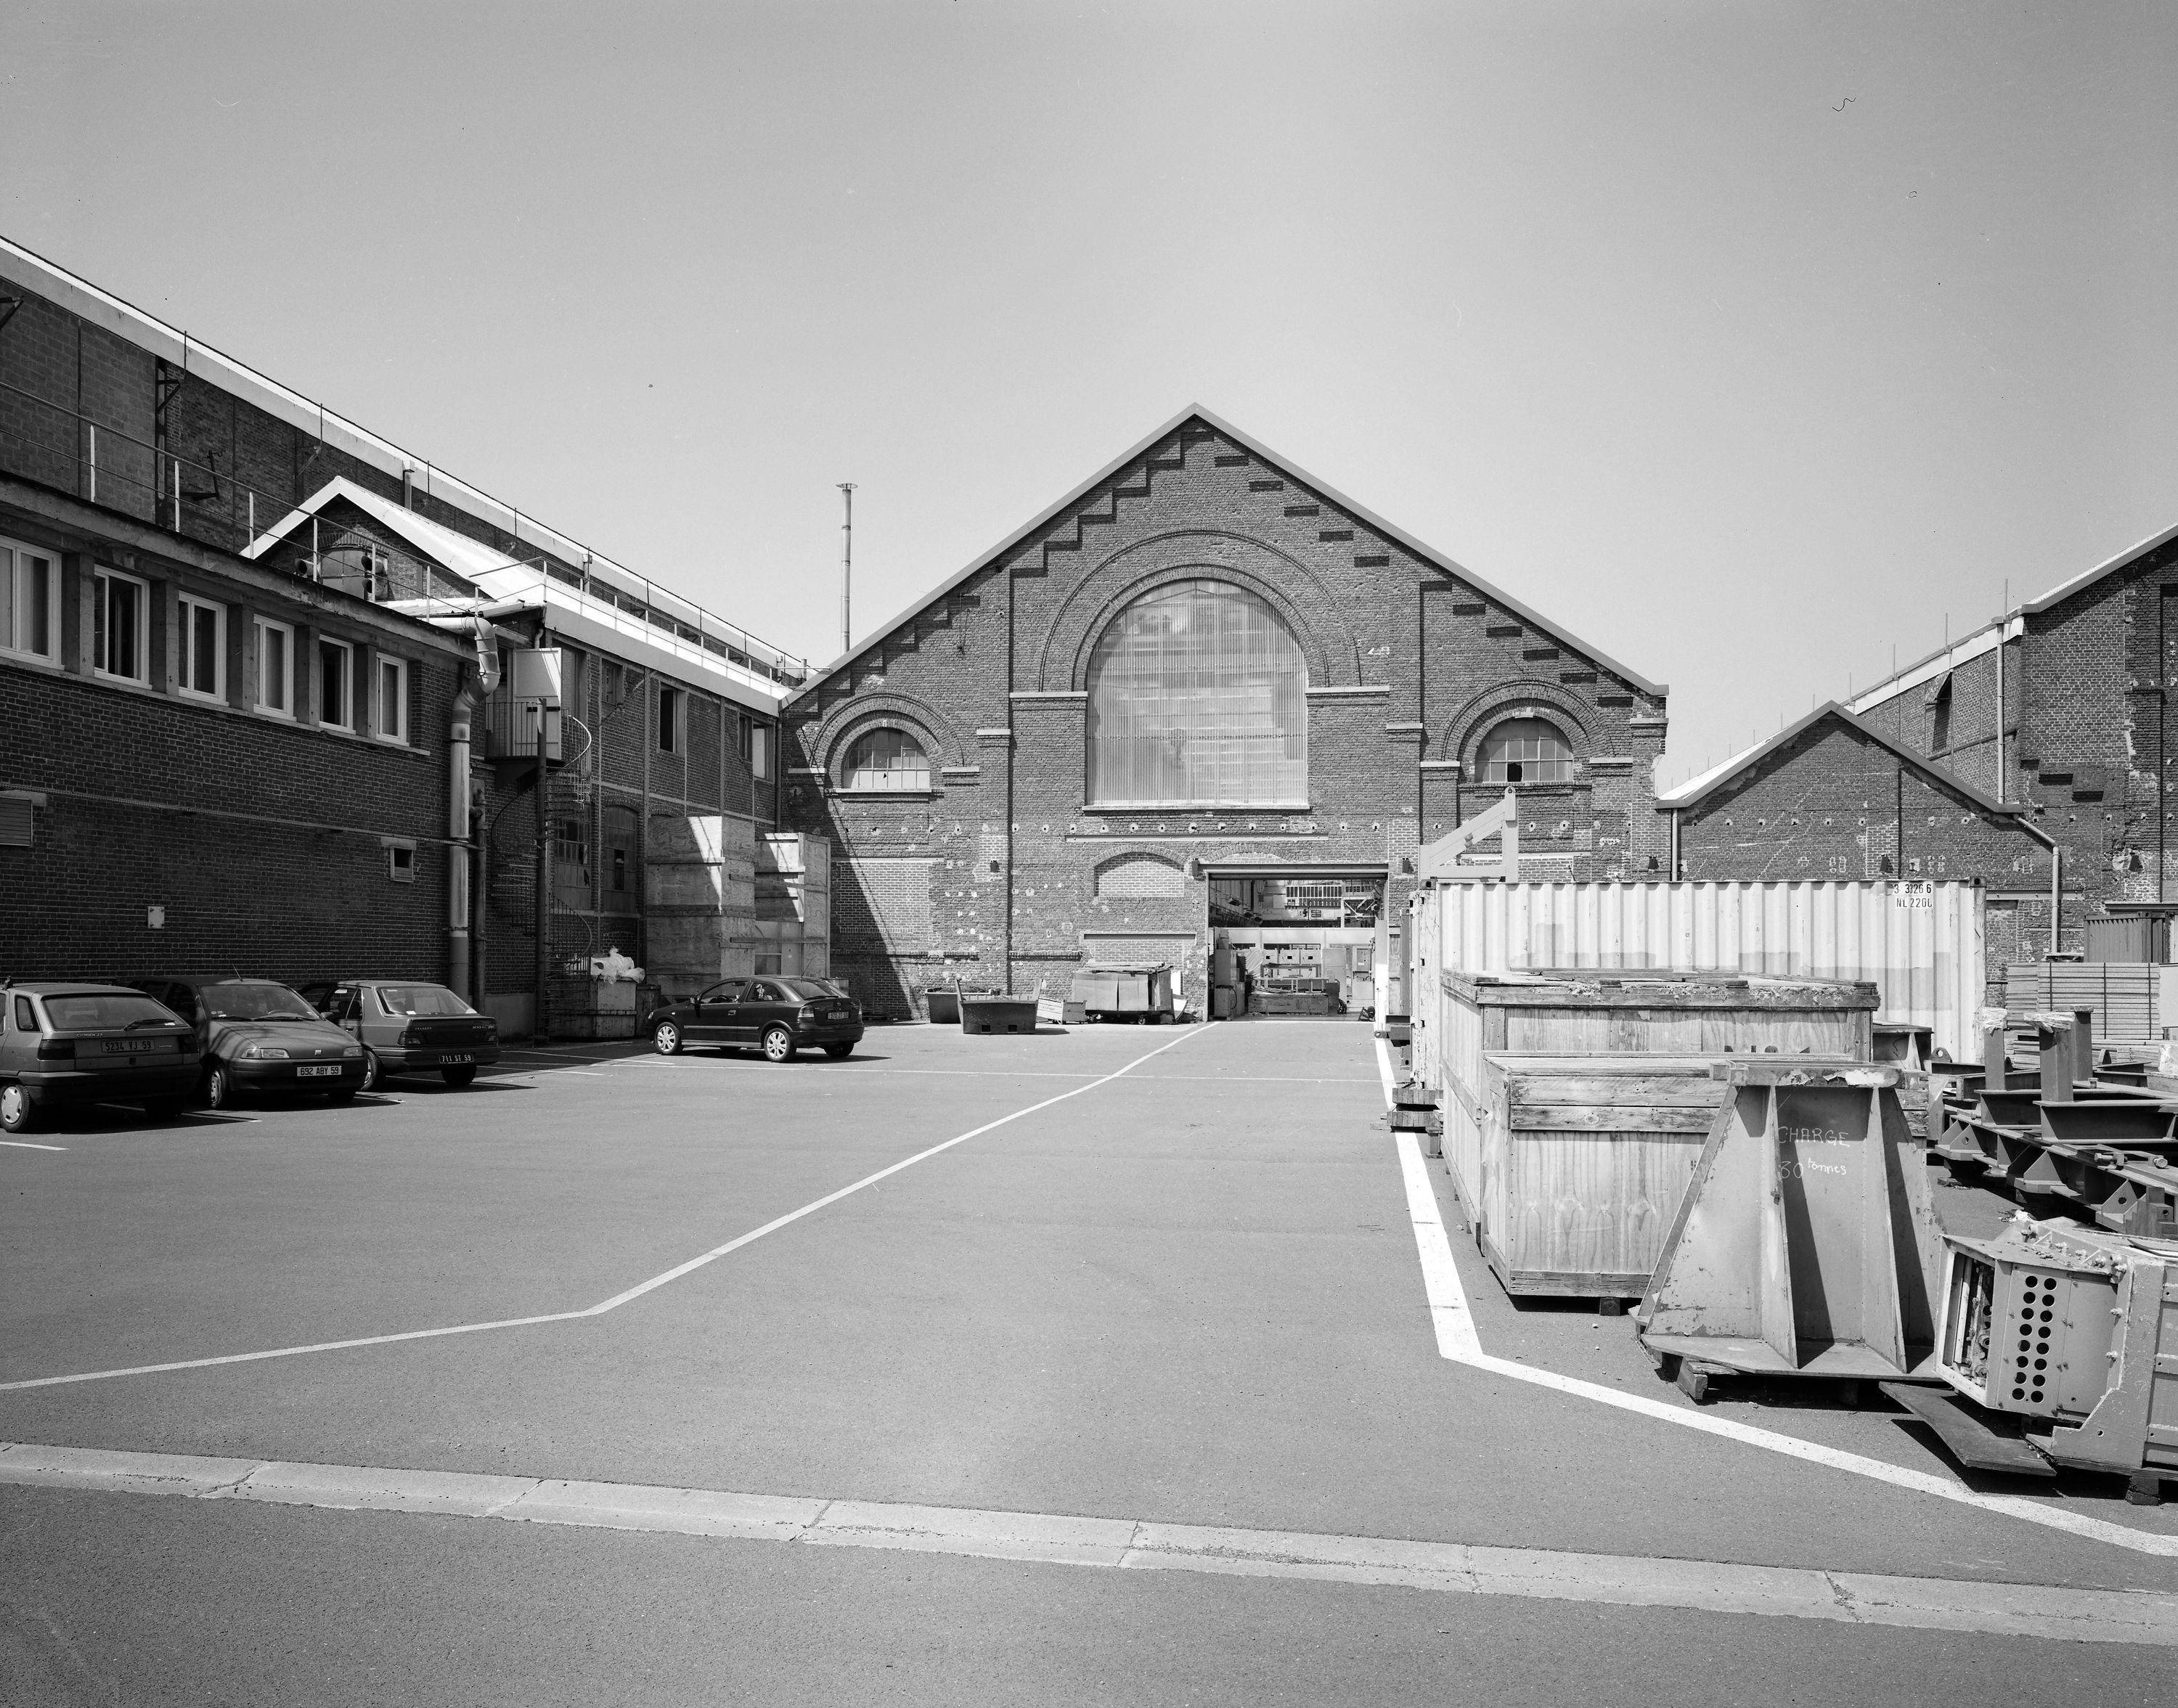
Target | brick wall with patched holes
(1408,667)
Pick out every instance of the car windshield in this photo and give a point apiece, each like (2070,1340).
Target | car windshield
(811,987)
(255,1001)
(91,1009)
(424,999)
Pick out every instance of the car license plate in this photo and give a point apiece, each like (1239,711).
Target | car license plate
(329,1071)
(133,1046)
(839,1014)
(445,1060)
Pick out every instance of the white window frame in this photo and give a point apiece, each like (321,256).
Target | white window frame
(15,650)
(265,625)
(345,722)
(101,627)
(398,735)
(186,607)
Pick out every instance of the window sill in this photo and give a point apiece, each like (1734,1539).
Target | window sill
(179,696)
(884,794)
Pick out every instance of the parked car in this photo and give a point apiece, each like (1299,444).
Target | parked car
(257,1036)
(407,1025)
(774,1014)
(65,1042)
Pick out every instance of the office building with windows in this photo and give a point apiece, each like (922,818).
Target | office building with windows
(279,690)
(1202,704)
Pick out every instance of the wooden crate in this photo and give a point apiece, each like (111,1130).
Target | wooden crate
(1575,1104)
(1581,1166)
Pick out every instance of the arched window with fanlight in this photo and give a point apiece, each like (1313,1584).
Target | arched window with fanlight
(885,761)
(1526,750)
(1198,697)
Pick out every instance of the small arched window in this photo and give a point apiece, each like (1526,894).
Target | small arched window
(885,762)
(1526,750)
(1198,698)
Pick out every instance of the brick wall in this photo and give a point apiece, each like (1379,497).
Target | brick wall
(292,901)
(2088,737)
(1408,667)
(1835,804)
(58,374)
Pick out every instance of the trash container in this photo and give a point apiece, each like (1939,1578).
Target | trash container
(998,1014)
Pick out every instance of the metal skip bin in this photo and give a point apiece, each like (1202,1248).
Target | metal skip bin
(1807,1245)
(998,1014)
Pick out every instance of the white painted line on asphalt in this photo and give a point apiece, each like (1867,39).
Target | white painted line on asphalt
(717,1251)
(1457,1341)
(618,1299)
(26,1145)
(858,1069)
(2144,1618)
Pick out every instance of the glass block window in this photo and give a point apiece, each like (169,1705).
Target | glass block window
(1198,697)
(1526,750)
(886,760)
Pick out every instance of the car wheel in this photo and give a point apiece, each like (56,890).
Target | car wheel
(778,1044)
(666,1038)
(372,1073)
(18,1114)
(459,1076)
(838,1052)
(165,1109)
(218,1086)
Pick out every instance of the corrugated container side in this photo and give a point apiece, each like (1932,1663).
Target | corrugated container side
(1921,946)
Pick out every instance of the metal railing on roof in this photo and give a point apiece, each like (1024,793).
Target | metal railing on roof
(114,469)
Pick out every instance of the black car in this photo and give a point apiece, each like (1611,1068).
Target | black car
(257,1035)
(775,1014)
(70,1042)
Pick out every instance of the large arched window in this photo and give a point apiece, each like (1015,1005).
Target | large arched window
(1198,697)
(885,761)
(1526,750)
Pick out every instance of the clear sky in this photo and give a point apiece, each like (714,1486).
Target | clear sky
(1747,341)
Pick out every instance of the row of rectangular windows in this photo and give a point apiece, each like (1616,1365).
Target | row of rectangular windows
(754,739)
(121,646)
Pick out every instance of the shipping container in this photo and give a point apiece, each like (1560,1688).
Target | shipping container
(1920,943)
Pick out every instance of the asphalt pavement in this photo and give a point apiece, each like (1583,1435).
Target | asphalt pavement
(1163,1276)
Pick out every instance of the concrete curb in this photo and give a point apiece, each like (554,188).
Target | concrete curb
(1997,1609)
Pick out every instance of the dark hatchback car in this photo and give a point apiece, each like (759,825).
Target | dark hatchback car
(257,1036)
(774,1014)
(407,1026)
(65,1042)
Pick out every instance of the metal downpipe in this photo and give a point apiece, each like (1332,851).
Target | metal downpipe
(463,856)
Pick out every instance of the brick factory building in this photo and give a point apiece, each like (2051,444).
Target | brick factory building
(1832,797)
(279,672)
(2086,743)
(1203,702)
